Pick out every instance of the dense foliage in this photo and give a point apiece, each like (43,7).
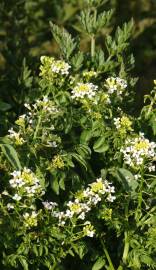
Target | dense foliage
(77,166)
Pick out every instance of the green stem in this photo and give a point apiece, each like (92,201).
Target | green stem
(53,267)
(111,267)
(141,189)
(126,236)
(37,127)
(92,46)
(126,248)
(93,36)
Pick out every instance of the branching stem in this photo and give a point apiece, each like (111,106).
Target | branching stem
(111,267)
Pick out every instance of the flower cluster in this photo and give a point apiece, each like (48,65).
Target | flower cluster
(49,205)
(30,220)
(39,114)
(57,162)
(89,74)
(60,67)
(151,168)
(25,183)
(136,150)
(123,124)
(82,90)
(115,85)
(16,137)
(45,105)
(84,201)
(51,69)
(105,98)
(88,229)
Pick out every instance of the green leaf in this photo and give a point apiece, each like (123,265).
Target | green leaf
(35,250)
(100,141)
(146,259)
(46,250)
(26,78)
(103,19)
(152,122)
(11,155)
(4,106)
(91,23)
(77,60)
(127,179)
(98,264)
(99,58)
(71,253)
(120,268)
(103,173)
(100,145)
(79,159)
(40,250)
(55,185)
(5,140)
(61,184)
(83,150)
(80,249)
(65,41)
(23,262)
(86,136)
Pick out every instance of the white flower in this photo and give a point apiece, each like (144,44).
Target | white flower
(61,223)
(87,222)
(90,233)
(137,149)
(49,205)
(26,215)
(117,122)
(10,206)
(16,136)
(81,216)
(16,173)
(137,176)
(151,168)
(13,183)
(88,229)
(30,219)
(61,216)
(61,67)
(96,199)
(5,192)
(26,182)
(111,198)
(17,197)
(54,144)
(82,90)
(69,214)
(115,85)
(27,105)
(16,182)
(34,214)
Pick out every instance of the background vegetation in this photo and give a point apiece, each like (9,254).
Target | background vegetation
(25,34)
(51,124)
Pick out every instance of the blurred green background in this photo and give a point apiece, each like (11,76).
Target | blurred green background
(25,34)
